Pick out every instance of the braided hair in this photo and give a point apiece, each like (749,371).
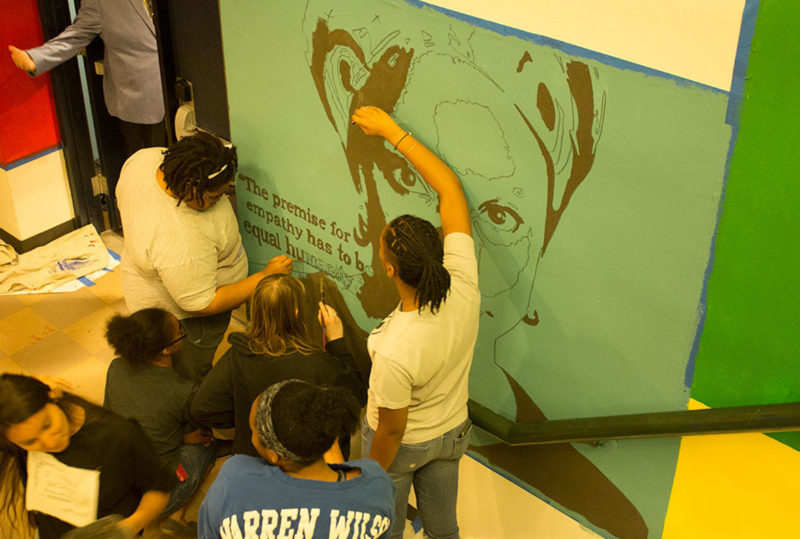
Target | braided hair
(416,250)
(140,337)
(197,164)
(305,419)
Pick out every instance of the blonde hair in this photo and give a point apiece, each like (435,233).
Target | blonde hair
(278,323)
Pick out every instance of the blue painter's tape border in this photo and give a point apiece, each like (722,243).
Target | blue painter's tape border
(733,119)
(86,281)
(32,157)
(567,48)
(740,62)
(114,255)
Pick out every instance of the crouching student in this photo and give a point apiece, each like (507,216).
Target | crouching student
(291,490)
(141,384)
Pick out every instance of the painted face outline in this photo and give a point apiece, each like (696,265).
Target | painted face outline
(556,127)
(555,123)
(507,200)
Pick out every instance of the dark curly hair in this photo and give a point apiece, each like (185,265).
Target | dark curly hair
(307,419)
(416,250)
(140,337)
(197,164)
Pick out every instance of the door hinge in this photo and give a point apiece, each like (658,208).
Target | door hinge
(99,185)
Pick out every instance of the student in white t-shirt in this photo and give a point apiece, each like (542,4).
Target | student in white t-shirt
(417,426)
(183,252)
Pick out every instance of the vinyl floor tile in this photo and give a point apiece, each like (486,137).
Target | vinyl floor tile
(22,329)
(105,356)
(51,356)
(121,307)
(88,378)
(10,304)
(107,288)
(30,299)
(113,241)
(89,331)
(8,365)
(64,309)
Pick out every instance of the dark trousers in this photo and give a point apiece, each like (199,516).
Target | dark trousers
(203,335)
(138,136)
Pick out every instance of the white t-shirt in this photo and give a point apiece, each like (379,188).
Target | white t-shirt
(422,360)
(175,257)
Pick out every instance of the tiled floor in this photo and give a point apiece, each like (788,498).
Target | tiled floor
(62,334)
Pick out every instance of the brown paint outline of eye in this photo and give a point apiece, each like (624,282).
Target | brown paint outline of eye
(497,212)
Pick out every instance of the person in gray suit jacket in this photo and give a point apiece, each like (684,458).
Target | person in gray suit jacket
(132,78)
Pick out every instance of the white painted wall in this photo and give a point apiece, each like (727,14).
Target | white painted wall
(35,197)
(490,507)
(692,39)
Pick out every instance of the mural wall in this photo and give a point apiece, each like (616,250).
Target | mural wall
(594,186)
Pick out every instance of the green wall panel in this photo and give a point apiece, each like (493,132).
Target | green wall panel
(749,350)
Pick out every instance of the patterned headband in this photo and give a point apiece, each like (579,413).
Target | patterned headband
(264,426)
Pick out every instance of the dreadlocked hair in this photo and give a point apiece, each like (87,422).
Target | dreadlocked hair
(140,337)
(277,323)
(197,164)
(417,252)
(307,418)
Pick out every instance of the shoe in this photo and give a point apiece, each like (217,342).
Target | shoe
(224,448)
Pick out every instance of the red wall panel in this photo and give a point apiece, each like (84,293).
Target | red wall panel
(28,122)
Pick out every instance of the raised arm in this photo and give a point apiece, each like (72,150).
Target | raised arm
(452,202)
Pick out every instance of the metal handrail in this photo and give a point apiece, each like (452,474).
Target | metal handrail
(737,419)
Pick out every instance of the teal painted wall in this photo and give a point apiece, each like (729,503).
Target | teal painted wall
(749,350)
(601,322)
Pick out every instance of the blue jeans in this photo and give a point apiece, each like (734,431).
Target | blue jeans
(432,467)
(195,459)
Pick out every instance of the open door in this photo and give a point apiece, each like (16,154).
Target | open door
(72,120)
(93,200)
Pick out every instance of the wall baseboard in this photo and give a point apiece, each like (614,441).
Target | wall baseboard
(42,238)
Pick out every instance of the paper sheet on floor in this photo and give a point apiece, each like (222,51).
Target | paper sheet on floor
(63,265)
